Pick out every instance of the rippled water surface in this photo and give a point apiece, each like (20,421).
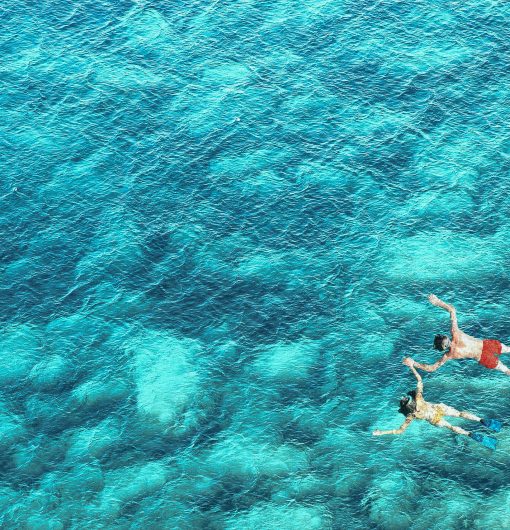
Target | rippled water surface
(220,221)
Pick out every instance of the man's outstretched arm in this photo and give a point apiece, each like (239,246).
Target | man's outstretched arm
(419,387)
(430,367)
(434,300)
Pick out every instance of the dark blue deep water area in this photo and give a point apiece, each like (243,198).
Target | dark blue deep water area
(220,221)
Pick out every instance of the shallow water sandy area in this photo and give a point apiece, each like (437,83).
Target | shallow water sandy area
(220,222)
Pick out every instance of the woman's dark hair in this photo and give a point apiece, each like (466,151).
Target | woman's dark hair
(408,404)
(438,341)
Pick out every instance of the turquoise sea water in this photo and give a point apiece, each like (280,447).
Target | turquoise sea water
(220,221)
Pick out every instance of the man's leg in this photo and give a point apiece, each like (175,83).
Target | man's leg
(505,348)
(502,368)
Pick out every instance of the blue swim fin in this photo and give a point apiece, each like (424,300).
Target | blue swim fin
(493,425)
(486,441)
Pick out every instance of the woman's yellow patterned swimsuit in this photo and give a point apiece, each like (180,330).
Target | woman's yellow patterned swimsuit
(438,416)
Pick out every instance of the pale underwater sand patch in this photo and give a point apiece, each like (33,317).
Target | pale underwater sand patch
(242,457)
(293,267)
(96,393)
(81,482)
(316,101)
(218,257)
(169,379)
(405,49)
(21,347)
(215,109)
(314,173)
(403,312)
(436,510)
(452,162)
(112,74)
(221,98)
(115,249)
(46,140)
(266,181)
(370,338)
(376,125)
(434,205)
(493,512)
(71,336)
(249,450)
(24,267)
(224,73)
(309,420)
(305,489)
(269,515)
(376,347)
(12,430)
(130,484)
(41,522)
(394,489)
(29,53)
(110,302)
(75,177)
(49,62)
(247,164)
(10,500)
(493,318)
(89,494)
(430,56)
(150,31)
(276,60)
(469,257)
(165,512)
(51,372)
(92,443)
(287,362)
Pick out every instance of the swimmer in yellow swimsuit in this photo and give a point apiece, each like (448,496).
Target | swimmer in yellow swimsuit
(413,406)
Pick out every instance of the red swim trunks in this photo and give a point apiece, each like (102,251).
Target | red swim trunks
(490,351)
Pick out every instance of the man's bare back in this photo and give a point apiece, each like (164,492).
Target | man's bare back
(464,346)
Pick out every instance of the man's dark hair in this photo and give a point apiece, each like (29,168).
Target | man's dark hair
(408,404)
(438,341)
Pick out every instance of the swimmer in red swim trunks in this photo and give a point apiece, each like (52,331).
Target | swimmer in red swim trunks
(463,346)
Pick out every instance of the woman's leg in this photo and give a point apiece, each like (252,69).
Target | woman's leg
(454,413)
(491,424)
(486,441)
(454,428)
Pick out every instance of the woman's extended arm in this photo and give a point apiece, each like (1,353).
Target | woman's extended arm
(400,430)
(419,387)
